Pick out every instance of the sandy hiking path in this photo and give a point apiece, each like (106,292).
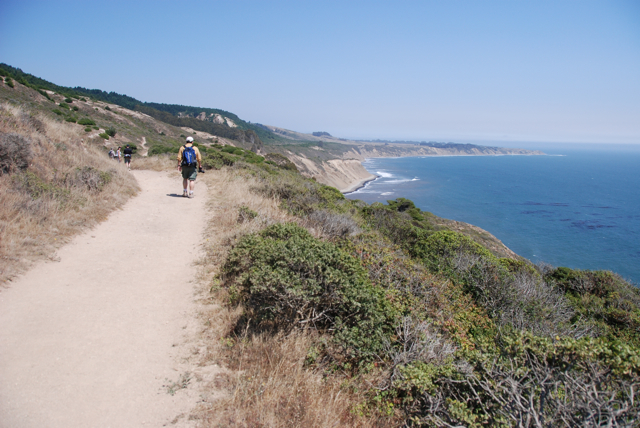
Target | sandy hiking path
(101,338)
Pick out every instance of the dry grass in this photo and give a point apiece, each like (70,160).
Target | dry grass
(266,383)
(163,162)
(69,185)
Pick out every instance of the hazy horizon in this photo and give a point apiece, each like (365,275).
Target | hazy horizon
(502,71)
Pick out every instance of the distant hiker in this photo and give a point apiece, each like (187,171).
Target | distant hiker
(127,156)
(189,162)
(112,154)
(119,154)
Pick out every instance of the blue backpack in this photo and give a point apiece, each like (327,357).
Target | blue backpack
(188,156)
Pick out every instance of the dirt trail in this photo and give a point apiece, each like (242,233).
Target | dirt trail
(97,339)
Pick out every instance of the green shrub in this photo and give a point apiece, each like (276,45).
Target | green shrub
(526,378)
(603,298)
(45,94)
(71,119)
(58,112)
(86,121)
(96,127)
(107,108)
(216,160)
(246,214)
(111,131)
(160,149)
(281,161)
(65,106)
(36,187)
(286,278)
(9,82)
(68,100)
(87,129)
(75,108)
(104,135)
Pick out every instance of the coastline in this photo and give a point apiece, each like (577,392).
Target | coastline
(354,187)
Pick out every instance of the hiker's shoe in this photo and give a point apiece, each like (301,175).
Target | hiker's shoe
(185,194)
(191,195)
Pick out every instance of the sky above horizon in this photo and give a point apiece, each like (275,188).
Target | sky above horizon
(457,70)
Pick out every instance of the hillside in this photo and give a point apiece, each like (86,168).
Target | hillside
(326,158)
(321,311)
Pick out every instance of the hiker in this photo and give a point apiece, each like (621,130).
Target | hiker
(127,156)
(112,154)
(189,163)
(119,154)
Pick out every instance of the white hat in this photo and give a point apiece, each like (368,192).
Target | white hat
(189,139)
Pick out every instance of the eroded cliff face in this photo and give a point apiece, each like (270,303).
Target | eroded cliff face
(345,175)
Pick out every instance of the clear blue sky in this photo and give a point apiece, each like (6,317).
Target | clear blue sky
(421,70)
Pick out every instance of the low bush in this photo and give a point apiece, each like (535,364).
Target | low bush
(68,100)
(15,153)
(524,380)
(110,131)
(87,129)
(280,161)
(603,298)
(75,108)
(104,135)
(285,278)
(88,177)
(86,121)
(63,105)
(9,82)
(36,187)
(217,160)
(58,112)
(45,94)
(160,149)
(71,119)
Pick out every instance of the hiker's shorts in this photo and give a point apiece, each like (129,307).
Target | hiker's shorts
(189,172)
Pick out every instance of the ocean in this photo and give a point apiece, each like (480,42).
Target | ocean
(578,206)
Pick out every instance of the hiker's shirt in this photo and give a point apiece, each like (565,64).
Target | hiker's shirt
(195,149)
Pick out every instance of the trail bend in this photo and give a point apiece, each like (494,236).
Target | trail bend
(98,338)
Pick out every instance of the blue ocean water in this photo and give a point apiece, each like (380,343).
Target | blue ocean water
(579,206)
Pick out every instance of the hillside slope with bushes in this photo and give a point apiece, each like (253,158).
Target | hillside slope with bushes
(409,321)
(333,312)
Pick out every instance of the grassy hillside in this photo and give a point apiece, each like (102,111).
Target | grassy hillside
(333,312)
(54,180)
(408,321)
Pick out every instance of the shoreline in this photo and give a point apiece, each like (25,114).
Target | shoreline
(360,185)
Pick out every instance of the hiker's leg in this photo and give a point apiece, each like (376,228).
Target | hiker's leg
(192,185)
(185,183)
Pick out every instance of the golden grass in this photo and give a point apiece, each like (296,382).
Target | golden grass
(33,227)
(266,383)
(164,162)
